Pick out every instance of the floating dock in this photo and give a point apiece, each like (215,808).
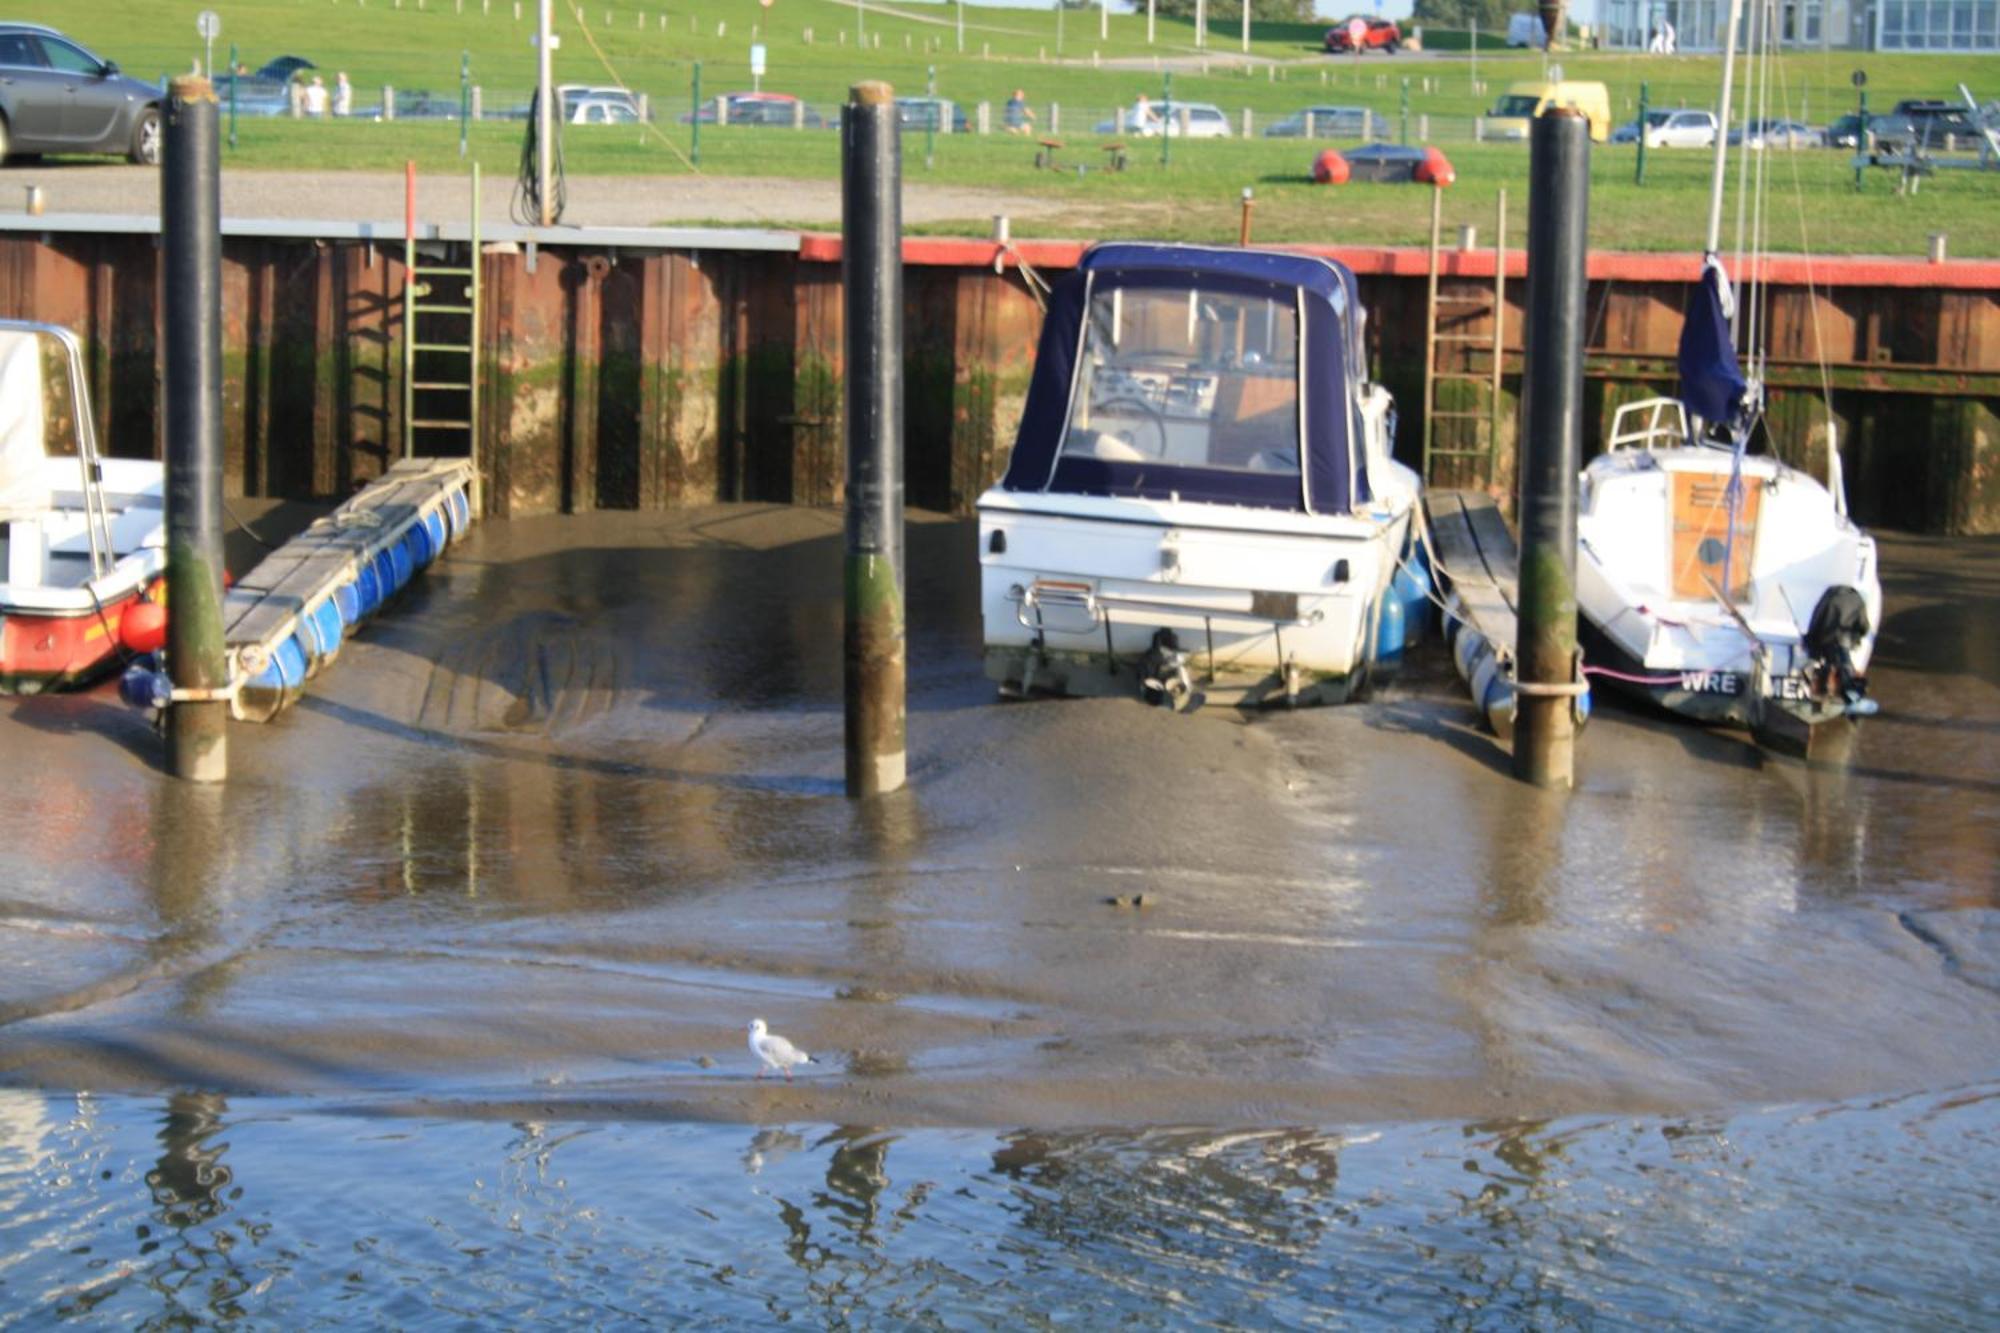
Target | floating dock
(285,621)
(1477,566)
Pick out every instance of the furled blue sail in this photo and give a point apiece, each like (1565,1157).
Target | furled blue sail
(1712,385)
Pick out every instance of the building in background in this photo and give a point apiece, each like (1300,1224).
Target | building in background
(1869,25)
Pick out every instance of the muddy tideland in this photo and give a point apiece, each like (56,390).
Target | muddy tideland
(550,834)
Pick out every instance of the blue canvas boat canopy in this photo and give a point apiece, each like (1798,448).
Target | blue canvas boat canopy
(1332,477)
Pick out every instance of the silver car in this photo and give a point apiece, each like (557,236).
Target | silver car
(56,97)
(1778,134)
(1203,120)
(1671,129)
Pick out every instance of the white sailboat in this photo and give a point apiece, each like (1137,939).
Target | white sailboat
(1723,585)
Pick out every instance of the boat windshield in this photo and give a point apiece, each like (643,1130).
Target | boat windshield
(1188,376)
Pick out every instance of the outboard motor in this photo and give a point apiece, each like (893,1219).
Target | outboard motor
(1838,625)
(1163,673)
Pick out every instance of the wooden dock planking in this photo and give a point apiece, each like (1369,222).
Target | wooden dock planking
(1474,551)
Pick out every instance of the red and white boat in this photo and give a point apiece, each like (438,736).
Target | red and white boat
(82,537)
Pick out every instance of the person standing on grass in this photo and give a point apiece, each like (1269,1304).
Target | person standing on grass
(1145,120)
(1019,117)
(316,98)
(343,95)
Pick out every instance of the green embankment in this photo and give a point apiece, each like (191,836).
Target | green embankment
(1195,196)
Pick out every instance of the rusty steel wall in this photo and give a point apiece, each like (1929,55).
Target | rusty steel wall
(651,378)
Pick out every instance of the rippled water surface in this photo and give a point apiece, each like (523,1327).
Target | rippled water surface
(199,1208)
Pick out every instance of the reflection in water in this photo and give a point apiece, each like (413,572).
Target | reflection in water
(189,874)
(1875,1211)
(197,1275)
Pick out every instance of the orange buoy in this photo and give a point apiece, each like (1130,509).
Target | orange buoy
(1436,168)
(1330,168)
(143,627)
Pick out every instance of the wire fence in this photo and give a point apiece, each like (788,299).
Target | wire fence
(588,108)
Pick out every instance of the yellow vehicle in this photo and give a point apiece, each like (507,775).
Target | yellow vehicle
(1522,102)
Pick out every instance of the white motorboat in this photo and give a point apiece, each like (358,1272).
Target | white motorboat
(82,537)
(1201,502)
(1723,585)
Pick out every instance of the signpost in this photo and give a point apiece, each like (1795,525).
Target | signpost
(208,24)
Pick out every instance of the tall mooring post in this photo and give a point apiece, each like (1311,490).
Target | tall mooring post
(1552,452)
(191,239)
(871,218)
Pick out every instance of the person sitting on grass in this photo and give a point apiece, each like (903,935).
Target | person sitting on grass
(1019,117)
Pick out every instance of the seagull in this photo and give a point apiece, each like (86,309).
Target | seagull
(775,1051)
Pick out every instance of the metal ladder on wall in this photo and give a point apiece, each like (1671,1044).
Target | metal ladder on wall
(441,337)
(1462,402)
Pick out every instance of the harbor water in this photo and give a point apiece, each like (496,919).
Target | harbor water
(435,1013)
(197,1209)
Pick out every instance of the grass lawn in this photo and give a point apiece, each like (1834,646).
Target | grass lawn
(1195,197)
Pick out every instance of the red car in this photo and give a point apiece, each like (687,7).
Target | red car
(1365,34)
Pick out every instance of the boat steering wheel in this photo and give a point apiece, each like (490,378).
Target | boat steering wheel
(1157,419)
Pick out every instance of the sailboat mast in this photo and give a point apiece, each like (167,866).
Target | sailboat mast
(1722,129)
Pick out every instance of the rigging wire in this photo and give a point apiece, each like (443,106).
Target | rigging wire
(1813,305)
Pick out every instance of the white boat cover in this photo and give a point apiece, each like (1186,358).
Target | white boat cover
(24,483)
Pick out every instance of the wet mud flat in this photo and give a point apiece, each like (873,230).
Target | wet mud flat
(553,830)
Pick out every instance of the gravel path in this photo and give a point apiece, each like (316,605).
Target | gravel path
(594,201)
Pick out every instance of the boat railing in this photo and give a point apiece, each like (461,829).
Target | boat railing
(97,519)
(1665,425)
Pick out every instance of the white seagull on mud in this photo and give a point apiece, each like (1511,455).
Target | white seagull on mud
(775,1051)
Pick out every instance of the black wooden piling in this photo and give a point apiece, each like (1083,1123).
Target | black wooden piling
(872,272)
(191,234)
(1551,455)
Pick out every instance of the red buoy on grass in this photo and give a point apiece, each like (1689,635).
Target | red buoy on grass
(1436,168)
(1330,168)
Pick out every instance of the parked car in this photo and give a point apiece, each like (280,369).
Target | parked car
(1671,129)
(1376,35)
(570,96)
(1923,123)
(601,111)
(935,113)
(1845,132)
(57,97)
(283,69)
(268,92)
(1522,102)
(1328,122)
(757,108)
(1775,133)
(1204,121)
